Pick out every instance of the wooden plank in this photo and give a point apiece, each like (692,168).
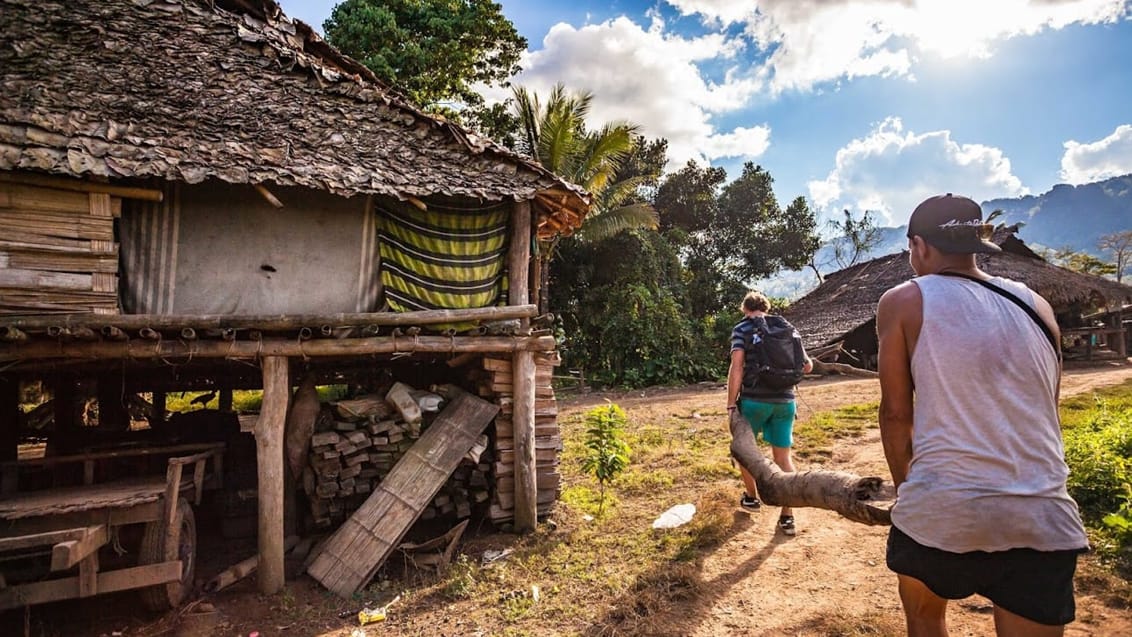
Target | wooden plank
(40,240)
(276,322)
(270,463)
(57,224)
(32,259)
(168,349)
(34,279)
(26,197)
(350,557)
(88,576)
(21,595)
(207,448)
(523,420)
(510,500)
(76,185)
(48,538)
(67,553)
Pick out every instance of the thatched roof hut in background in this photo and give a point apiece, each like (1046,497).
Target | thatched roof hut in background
(843,308)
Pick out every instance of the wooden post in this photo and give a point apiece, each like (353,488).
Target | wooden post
(1121,336)
(519,258)
(9,431)
(523,421)
(225,399)
(111,412)
(269,462)
(159,407)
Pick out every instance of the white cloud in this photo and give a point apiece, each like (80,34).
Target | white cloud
(723,11)
(741,142)
(891,170)
(1083,163)
(652,78)
(815,41)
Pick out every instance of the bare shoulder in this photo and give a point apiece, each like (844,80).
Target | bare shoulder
(904,298)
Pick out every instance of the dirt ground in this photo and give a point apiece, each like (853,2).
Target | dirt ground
(836,566)
(757,583)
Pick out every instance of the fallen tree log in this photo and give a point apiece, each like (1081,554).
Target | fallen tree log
(841,368)
(867,500)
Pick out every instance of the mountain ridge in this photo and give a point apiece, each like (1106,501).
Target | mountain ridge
(1054,219)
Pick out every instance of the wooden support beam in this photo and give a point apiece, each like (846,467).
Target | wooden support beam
(47,538)
(519,257)
(62,183)
(269,462)
(269,322)
(108,582)
(171,349)
(67,553)
(9,431)
(523,419)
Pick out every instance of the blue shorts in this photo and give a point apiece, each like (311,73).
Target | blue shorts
(774,420)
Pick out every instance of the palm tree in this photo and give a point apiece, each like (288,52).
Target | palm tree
(555,135)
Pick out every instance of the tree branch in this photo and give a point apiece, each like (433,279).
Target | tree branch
(867,500)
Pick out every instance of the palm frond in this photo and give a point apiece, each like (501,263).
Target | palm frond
(609,223)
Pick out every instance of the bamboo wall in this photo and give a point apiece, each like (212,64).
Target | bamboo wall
(495,384)
(57,250)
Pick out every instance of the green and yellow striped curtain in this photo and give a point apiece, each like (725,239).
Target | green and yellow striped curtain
(444,257)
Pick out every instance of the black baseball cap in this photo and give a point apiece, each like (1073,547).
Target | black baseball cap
(952,224)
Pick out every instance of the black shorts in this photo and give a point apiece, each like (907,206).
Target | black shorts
(1037,585)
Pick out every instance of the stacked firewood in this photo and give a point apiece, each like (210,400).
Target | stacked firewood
(357,442)
(495,383)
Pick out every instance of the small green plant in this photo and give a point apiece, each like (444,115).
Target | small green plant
(607,453)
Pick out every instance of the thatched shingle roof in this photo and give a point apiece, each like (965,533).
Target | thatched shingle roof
(848,298)
(187,90)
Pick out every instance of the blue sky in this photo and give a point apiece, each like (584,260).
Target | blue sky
(854,105)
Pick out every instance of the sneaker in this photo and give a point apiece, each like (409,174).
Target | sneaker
(786,524)
(749,503)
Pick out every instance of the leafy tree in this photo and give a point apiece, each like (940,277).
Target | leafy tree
(753,236)
(688,198)
(1119,245)
(854,238)
(607,453)
(435,50)
(1082,262)
(1088,264)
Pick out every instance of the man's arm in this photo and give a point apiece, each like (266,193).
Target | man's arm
(895,312)
(1045,311)
(734,377)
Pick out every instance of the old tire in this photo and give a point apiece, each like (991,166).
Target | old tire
(184,547)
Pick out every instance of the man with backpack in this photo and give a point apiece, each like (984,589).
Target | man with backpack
(767,361)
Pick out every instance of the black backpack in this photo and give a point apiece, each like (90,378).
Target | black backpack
(776,360)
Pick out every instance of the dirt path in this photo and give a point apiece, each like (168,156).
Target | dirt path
(831,577)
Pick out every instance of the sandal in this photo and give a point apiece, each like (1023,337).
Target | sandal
(786,524)
(750,503)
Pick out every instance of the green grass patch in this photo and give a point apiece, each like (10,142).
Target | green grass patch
(242,400)
(1097,431)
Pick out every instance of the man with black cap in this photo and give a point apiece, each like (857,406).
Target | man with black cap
(976,456)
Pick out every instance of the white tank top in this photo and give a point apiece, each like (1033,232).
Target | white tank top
(988,467)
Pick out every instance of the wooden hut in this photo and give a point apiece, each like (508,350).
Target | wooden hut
(203,194)
(838,318)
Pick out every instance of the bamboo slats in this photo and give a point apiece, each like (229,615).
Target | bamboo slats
(57,248)
(350,557)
